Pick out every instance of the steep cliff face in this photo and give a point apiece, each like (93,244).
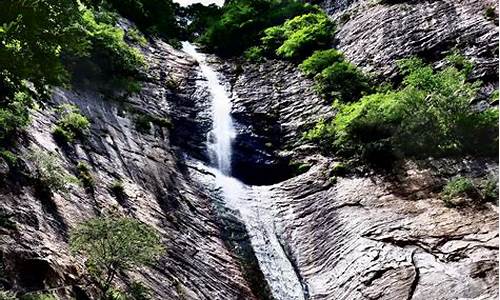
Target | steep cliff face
(376,34)
(159,191)
(358,236)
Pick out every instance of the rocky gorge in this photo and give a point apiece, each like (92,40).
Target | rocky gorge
(351,234)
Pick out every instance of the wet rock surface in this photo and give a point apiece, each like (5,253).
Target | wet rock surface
(273,105)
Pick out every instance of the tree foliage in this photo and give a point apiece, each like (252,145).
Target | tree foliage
(157,17)
(429,115)
(242,22)
(114,244)
(299,36)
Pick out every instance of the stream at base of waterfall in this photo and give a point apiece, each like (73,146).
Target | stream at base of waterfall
(252,203)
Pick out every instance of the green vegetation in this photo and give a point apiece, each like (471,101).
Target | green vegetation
(108,41)
(254,54)
(458,187)
(155,17)
(494,97)
(143,122)
(138,291)
(320,60)
(298,167)
(244,21)
(137,37)
(339,169)
(85,175)
(491,14)
(50,176)
(71,124)
(489,188)
(118,189)
(9,157)
(299,37)
(429,115)
(113,245)
(342,81)
(336,79)
(197,17)
(44,41)
(14,115)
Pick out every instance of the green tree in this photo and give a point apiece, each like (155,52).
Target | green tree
(114,244)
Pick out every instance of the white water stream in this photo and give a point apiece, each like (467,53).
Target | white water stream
(252,203)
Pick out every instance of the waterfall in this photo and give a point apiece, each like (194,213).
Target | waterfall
(252,203)
(222,134)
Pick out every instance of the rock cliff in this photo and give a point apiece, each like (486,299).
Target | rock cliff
(361,235)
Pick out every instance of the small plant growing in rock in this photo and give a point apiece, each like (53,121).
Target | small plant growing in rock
(48,173)
(142,123)
(85,175)
(339,169)
(489,189)
(458,188)
(118,189)
(71,124)
(138,291)
(137,37)
(9,157)
(113,245)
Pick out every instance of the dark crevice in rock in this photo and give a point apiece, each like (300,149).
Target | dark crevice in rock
(416,278)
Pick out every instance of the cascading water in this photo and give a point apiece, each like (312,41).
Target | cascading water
(251,203)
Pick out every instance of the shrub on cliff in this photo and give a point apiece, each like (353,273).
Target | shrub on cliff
(48,173)
(71,124)
(335,78)
(459,188)
(108,41)
(300,36)
(113,245)
(320,60)
(341,81)
(429,115)
(14,116)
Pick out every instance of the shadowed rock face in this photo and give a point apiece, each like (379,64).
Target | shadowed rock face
(273,104)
